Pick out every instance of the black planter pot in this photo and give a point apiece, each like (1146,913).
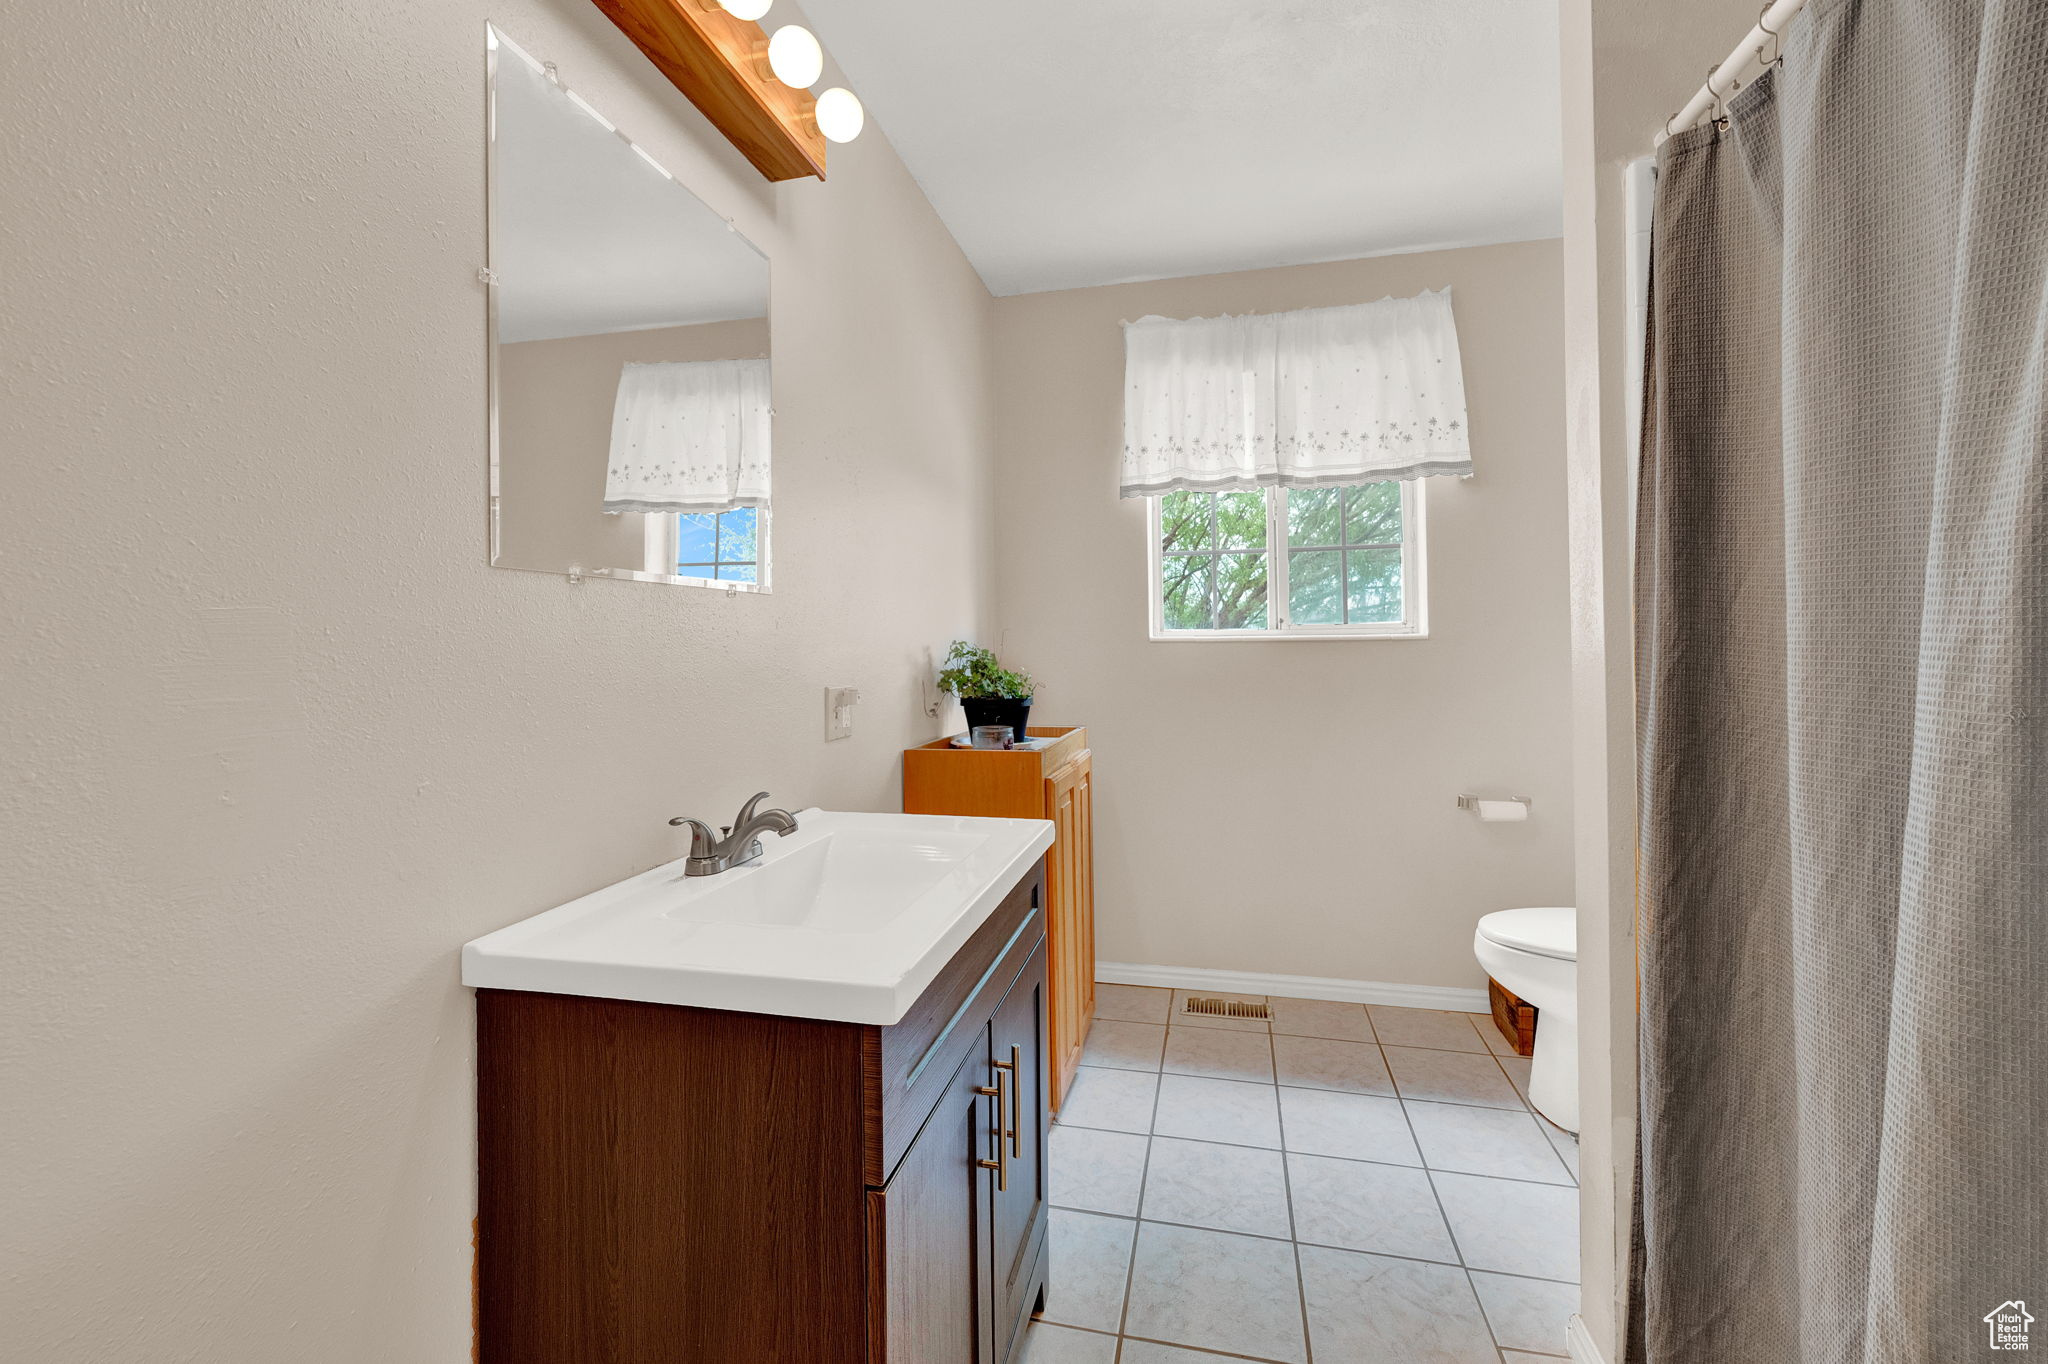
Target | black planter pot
(996,710)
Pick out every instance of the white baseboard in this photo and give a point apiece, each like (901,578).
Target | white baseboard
(1453,997)
(1580,1342)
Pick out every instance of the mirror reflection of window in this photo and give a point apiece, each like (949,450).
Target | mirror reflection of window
(707,548)
(631,355)
(720,546)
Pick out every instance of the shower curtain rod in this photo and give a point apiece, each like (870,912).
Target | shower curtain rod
(1723,80)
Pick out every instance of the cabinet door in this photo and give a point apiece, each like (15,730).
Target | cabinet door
(1070,916)
(928,1233)
(1018,1057)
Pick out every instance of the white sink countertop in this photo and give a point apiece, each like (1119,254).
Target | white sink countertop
(848,918)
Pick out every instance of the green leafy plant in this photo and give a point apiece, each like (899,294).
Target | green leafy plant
(971,672)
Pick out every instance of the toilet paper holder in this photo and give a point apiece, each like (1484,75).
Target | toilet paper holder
(1472,802)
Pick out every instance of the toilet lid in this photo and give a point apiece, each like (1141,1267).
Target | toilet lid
(1549,931)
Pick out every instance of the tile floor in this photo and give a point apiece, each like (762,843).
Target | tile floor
(1349,1184)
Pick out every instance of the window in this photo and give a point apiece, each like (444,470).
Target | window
(1288,563)
(730,548)
(722,546)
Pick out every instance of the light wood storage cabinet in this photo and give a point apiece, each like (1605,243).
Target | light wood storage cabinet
(1055,783)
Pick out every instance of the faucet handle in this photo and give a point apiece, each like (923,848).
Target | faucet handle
(747,811)
(703,843)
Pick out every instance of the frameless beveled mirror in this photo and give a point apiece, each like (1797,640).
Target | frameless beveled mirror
(630,418)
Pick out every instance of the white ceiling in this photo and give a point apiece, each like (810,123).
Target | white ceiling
(1079,142)
(588,237)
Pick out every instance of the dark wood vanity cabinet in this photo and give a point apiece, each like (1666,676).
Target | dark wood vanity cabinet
(961,1259)
(1018,1042)
(670,1185)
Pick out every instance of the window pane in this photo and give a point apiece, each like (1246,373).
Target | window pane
(1373,585)
(1187,580)
(1241,518)
(736,536)
(1241,591)
(697,537)
(736,573)
(1372,514)
(1184,521)
(1314,590)
(1313,516)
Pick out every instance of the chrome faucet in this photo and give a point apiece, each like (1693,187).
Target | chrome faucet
(710,855)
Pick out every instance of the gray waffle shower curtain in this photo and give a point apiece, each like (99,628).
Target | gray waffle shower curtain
(1842,661)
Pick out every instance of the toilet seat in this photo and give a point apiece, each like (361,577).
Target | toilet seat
(1544,931)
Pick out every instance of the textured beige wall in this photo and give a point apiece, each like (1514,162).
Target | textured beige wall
(555,437)
(1289,806)
(1627,65)
(276,740)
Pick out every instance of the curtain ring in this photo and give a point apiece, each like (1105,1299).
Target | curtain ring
(1720,119)
(1777,42)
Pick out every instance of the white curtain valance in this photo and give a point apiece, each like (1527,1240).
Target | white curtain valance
(689,437)
(1306,399)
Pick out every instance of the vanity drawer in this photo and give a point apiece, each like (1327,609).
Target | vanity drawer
(908,1063)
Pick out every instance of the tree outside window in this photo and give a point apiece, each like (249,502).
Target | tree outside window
(1278,561)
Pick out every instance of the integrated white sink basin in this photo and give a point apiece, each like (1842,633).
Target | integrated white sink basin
(848,918)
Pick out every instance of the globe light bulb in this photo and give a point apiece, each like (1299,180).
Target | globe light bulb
(795,57)
(840,117)
(749,10)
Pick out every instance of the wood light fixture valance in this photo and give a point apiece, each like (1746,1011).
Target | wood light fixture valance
(720,62)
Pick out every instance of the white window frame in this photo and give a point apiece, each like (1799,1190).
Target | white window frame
(1414,585)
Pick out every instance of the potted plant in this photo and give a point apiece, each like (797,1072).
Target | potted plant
(990,693)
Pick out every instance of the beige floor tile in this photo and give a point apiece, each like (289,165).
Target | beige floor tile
(1320,1018)
(1437,1028)
(1512,1227)
(1217,1110)
(1151,1352)
(1118,1100)
(1094,1258)
(1124,1046)
(1133,1003)
(1319,1063)
(1371,1308)
(1045,1343)
(1485,1141)
(1219,1054)
(1216,1291)
(1451,1077)
(1355,1126)
(1517,1068)
(1098,1171)
(1566,1144)
(1527,1314)
(1358,1205)
(1224,1188)
(1182,1018)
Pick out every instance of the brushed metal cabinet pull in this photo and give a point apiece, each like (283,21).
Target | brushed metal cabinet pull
(1001,1164)
(1016,1068)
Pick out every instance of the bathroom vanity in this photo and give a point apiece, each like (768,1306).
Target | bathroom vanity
(793,1112)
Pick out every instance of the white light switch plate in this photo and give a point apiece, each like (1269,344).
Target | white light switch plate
(839,703)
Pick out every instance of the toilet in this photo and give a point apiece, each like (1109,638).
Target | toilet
(1534,954)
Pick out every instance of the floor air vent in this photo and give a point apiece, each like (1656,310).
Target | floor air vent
(1224,1008)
